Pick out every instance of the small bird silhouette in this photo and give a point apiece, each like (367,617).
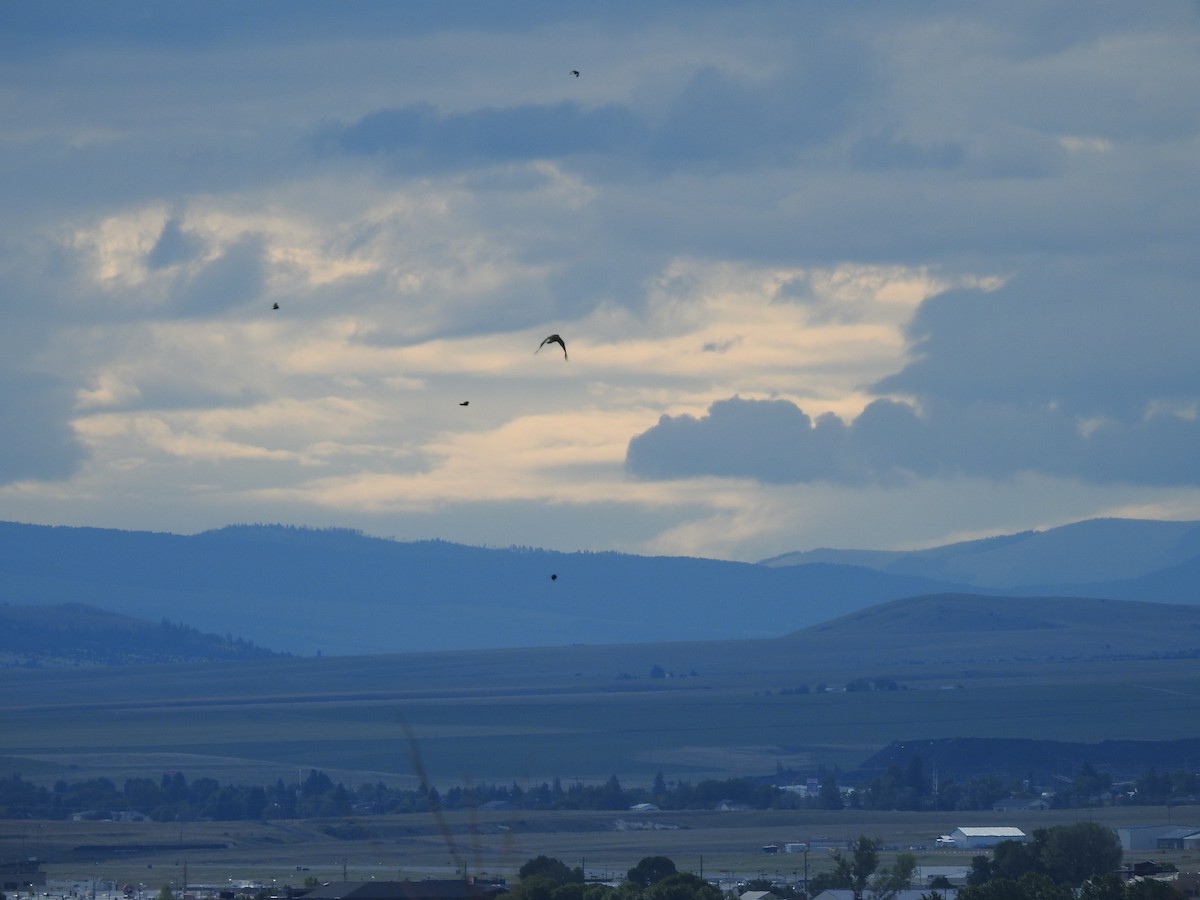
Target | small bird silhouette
(554,339)
(465,403)
(575,72)
(274,306)
(554,578)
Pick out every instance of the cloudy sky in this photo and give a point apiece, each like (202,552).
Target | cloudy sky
(830,274)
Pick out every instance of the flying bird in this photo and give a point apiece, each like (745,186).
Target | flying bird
(465,403)
(274,306)
(554,339)
(554,578)
(575,72)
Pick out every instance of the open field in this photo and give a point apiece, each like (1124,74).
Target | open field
(723,844)
(576,713)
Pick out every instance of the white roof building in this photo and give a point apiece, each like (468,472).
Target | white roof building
(988,836)
(907,894)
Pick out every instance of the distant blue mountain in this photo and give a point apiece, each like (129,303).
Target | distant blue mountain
(1090,555)
(339,592)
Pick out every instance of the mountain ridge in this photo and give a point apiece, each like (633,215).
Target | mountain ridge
(340,592)
(1079,553)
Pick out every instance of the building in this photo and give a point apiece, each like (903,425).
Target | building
(445,889)
(982,838)
(909,894)
(758,895)
(956,875)
(1155,837)
(23,875)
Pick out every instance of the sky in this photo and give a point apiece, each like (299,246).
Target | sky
(862,275)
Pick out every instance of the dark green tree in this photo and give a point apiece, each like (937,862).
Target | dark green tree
(535,887)
(1038,886)
(1012,859)
(853,872)
(995,889)
(1071,854)
(1149,889)
(651,870)
(681,886)
(895,878)
(829,797)
(981,871)
(571,891)
(659,789)
(1103,887)
(554,870)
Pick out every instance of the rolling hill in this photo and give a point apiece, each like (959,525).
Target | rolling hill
(73,634)
(339,592)
(963,667)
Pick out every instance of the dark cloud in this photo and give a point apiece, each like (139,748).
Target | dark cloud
(421,135)
(197,24)
(771,440)
(174,245)
(1089,337)
(716,120)
(776,442)
(233,279)
(35,419)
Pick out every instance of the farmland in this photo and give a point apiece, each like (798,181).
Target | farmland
(578,713)
(575,713)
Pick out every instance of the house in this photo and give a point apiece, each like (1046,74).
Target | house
(758,895)
(444,889)
(909,894)
(956,875)
(1145,869)
(980,838)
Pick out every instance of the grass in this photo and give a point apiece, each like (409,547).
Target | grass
(531,716)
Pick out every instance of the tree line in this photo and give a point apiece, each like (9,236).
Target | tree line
(1064,862)
(174,798)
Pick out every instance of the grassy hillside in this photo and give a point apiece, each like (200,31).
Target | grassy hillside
(73,634)
(1056,670)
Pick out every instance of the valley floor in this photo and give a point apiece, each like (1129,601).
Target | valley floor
(721,845)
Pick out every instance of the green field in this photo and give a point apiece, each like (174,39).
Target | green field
(576,713)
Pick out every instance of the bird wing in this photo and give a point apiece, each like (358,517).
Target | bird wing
(554,339)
